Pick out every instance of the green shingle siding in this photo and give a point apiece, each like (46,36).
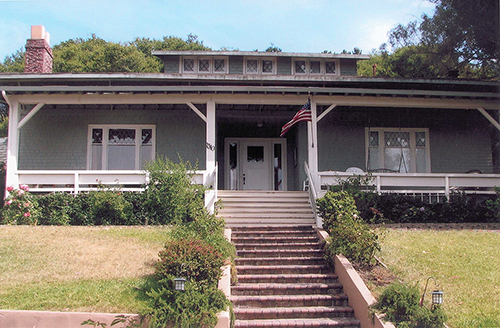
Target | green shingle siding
(284,66)
(236,65)
(348,67)
(171,64)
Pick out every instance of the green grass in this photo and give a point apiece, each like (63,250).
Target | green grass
(91,269)
(466,265)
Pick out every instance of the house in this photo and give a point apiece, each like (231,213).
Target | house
(225,110)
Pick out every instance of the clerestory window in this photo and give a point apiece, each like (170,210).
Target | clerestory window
(203,65)
(314,67)
(120,147)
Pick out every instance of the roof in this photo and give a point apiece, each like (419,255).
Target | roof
(466,94)
(260,54)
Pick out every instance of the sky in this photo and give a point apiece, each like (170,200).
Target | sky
(310,26)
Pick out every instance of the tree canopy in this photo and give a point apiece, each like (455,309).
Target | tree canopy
(95,55)
(461,39)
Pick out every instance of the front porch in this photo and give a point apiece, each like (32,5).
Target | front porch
(430,131)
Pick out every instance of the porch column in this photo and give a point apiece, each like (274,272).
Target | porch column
(312,146)
(210,137)
(211,172)
(11,178)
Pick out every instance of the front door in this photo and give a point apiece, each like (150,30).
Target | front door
(255,164)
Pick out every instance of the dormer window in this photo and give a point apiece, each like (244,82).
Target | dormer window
(204,65)
(314,67)
(260,66)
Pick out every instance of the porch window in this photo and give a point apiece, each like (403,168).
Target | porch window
(400,150)
(120,147)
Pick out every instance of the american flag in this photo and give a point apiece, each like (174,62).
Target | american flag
(304,114)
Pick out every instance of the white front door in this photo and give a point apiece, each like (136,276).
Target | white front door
(255,164)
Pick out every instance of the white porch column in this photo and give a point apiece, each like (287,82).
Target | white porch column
(11,178)
(211,175)
(210,137)
(312,146)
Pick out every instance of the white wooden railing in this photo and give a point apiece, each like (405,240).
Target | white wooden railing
(84,180)
(313,195)
(442,184)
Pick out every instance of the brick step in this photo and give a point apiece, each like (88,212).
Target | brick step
(264,234)
(263,301)
(276,246)
(280,261)
(249,222)
(323,278)
(276,253)
(272,228)
(283,269)
(286,289)
(241,238)
(262,193)
(304,323)
(293,313)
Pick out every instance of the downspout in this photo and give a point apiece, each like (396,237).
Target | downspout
(4,95)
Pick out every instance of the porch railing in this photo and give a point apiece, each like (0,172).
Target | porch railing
(84,180)
(311,188)
(441,184)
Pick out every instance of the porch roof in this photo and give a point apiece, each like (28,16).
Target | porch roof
(367,90)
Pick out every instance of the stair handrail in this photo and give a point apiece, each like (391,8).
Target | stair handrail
(313,195)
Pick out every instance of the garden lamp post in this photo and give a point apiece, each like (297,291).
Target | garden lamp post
(437,295)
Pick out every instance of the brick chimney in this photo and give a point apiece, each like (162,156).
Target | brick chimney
(38,56)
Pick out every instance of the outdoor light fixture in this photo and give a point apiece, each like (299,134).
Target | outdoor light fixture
(437,295)
(179,284)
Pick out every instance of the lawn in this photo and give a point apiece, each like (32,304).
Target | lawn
(466,265)
(91,269)
(96,269)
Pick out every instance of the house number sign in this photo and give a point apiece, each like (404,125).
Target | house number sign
(210,146)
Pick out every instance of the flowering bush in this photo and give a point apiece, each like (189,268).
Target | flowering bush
(20,207)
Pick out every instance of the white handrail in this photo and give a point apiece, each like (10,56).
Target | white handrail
(313,195)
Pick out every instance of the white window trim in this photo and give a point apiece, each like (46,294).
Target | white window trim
(322,63)
(259,65)
(211,65)
(413,146)
(105,132)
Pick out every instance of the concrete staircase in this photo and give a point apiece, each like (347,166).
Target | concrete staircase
(283,280)
(250,208)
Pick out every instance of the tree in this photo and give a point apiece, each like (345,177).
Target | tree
(13,63)
(460,40)
(273,48)
(95,55)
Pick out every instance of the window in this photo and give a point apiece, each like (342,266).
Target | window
(120,147)
(313,67)
(203,65)
(401,150)
(260,66)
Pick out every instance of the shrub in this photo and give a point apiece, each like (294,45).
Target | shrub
(349,234)
(109,206)
(195,307)
(20,207)
(192,258)
(400,303)
(56,209)
(170,196)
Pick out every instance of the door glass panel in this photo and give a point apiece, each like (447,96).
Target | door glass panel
(255,154)
(233,166)
(278,168)
(121,149)
(96,150)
